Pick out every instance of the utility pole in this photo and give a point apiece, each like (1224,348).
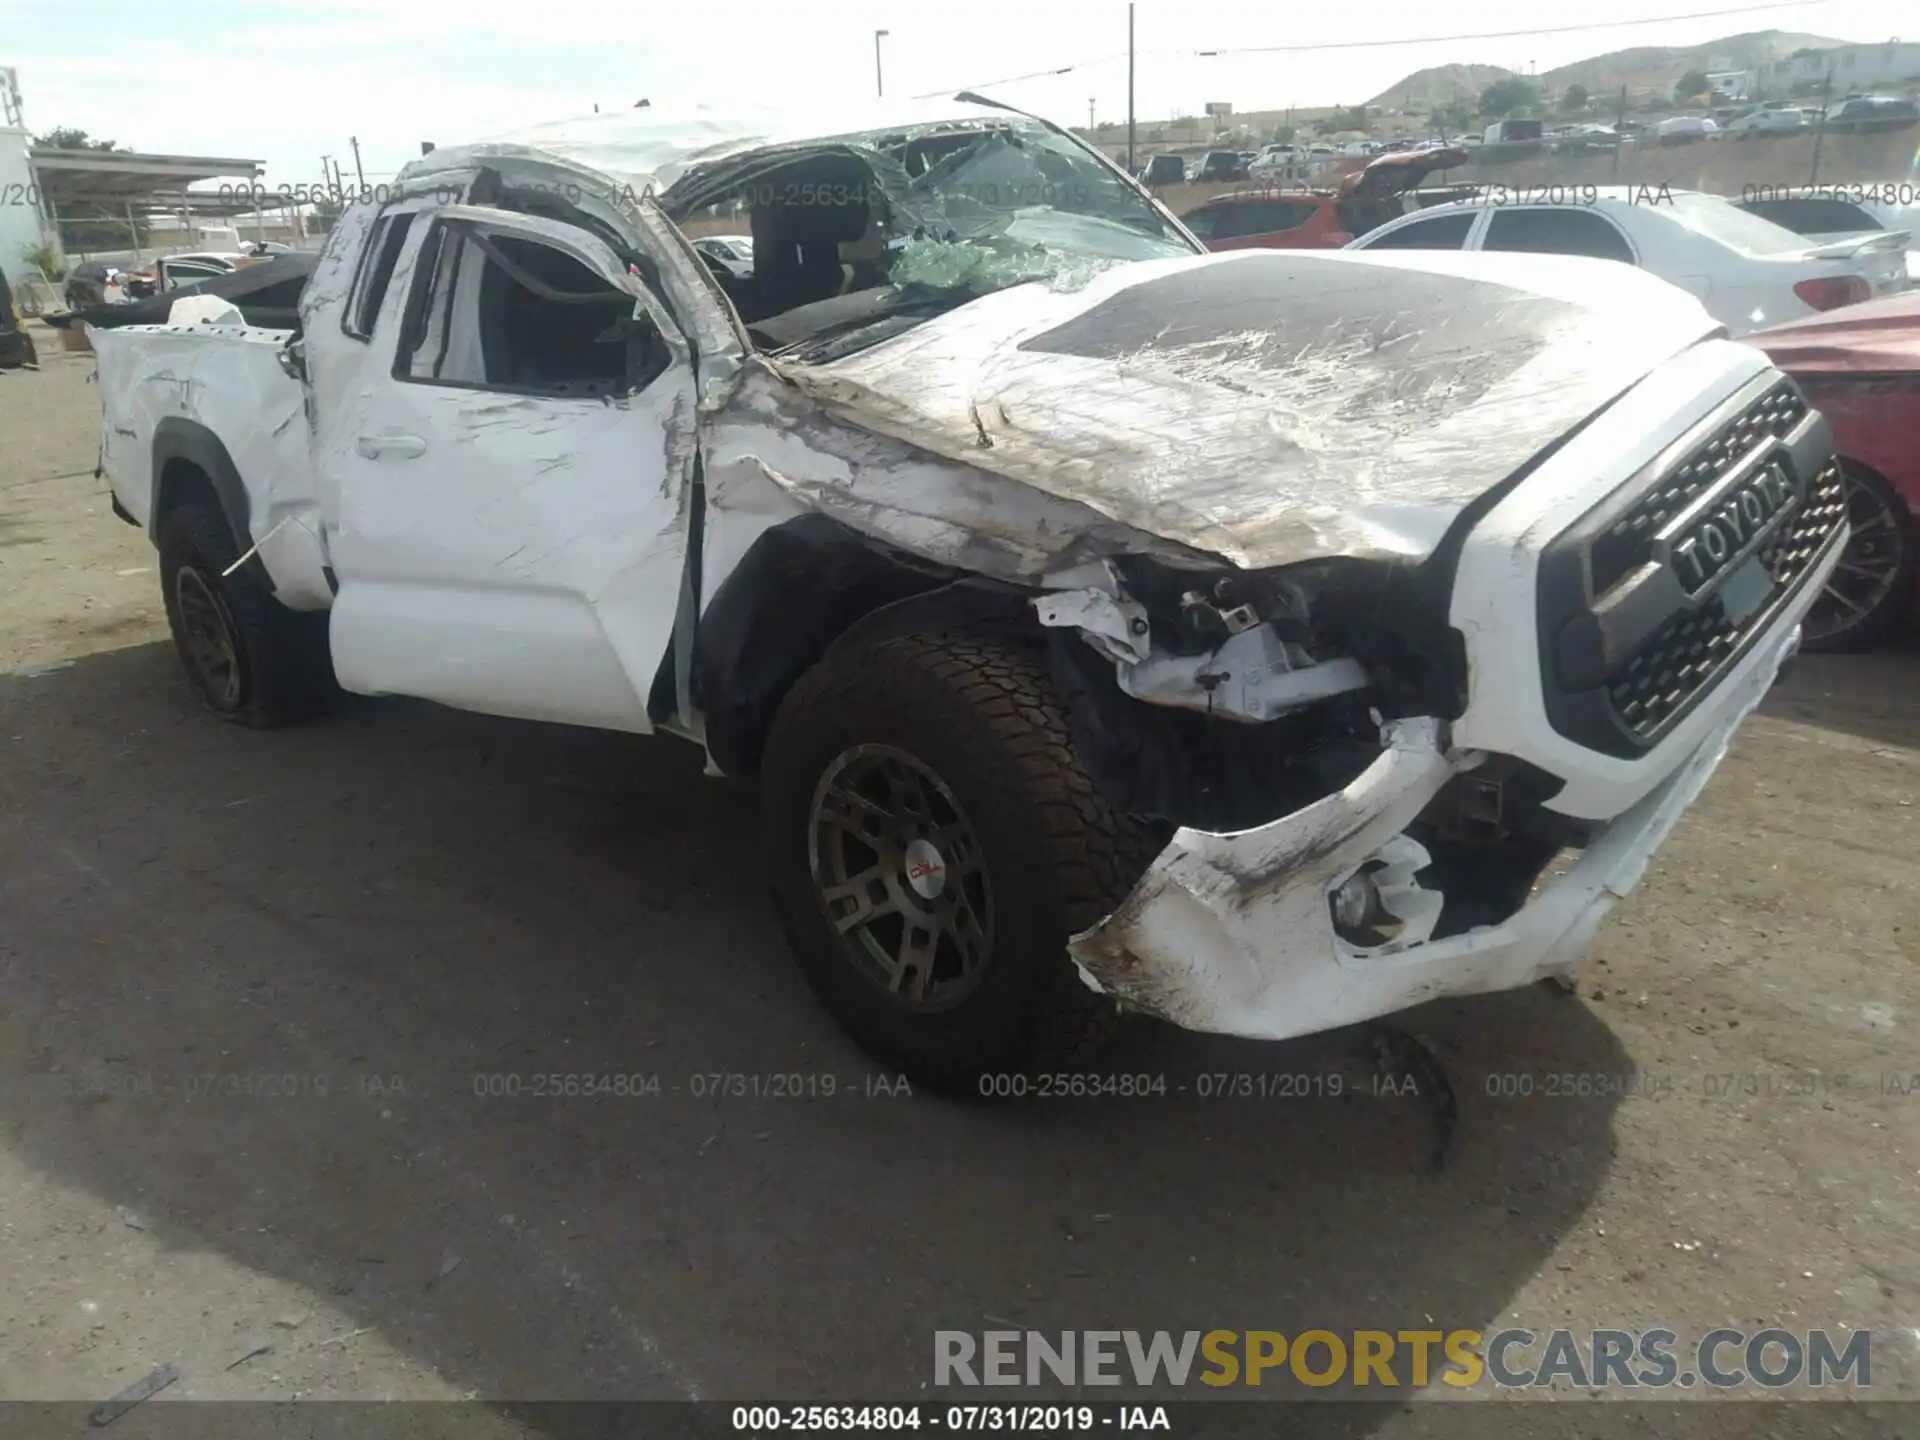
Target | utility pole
(1090,117)
(361,175)
(879,89)
(1619,119)
(1820,125)
(1131,163)
(326,171)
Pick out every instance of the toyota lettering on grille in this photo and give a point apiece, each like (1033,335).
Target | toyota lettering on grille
(1726,525)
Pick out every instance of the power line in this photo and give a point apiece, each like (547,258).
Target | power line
(1513,34)
(947,90)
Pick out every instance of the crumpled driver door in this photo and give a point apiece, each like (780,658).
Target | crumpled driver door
(506,516)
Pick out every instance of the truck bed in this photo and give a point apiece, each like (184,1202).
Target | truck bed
(218,394)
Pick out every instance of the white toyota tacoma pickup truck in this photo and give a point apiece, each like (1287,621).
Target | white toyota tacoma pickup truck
(1246,639)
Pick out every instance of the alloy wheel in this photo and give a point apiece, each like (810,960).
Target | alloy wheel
(899,873)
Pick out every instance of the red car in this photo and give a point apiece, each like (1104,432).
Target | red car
(1269,218)
(1266,217)
(1860,367)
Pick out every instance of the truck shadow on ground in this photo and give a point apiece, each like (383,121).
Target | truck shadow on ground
(431,909)
(1869,695)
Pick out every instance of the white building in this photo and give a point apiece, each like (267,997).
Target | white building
(1730,85)
(22,223)
(1852,67)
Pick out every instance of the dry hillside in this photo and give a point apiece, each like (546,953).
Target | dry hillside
(1656,67)
(1644,67)
(1438,85)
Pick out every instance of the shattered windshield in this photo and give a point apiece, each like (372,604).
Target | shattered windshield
(932,217)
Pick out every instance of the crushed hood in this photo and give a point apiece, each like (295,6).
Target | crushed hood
(1273,406)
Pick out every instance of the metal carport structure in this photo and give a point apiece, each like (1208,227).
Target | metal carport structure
(107,186)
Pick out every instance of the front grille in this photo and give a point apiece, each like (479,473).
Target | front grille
(1626,544)
(1686,654)
(1789,552)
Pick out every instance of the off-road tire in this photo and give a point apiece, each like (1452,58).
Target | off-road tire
(284,670)
(982,714)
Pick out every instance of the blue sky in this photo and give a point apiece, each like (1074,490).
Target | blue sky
(286,82)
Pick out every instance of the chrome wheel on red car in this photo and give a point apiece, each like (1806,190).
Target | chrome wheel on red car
(1869,589)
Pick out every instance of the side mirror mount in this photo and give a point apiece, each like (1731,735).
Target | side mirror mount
(293,358)
(717,376)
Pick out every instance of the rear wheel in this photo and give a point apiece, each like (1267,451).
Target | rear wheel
(934,842)
(251,659)
(1869,590)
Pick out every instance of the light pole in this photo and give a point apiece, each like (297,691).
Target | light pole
(1130,160)
(1820,125)
(879,88)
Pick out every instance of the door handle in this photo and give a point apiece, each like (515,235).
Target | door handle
(404,447)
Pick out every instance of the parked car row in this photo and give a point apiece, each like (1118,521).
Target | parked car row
(1854,113)
(1858,113)
(1215,166)
(1850,114)
(93,283)
(1283,162)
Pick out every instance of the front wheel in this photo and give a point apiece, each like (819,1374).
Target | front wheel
(934,842)
(1871,586)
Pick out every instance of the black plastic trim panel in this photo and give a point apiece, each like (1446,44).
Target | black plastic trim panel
(1626,648)
(1691,651)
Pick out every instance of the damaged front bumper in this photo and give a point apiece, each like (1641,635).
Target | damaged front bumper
(1234,933)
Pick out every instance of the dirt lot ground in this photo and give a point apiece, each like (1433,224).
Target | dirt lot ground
(401,902)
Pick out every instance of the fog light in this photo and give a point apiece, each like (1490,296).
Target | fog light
(1355,903)
(1382,903)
